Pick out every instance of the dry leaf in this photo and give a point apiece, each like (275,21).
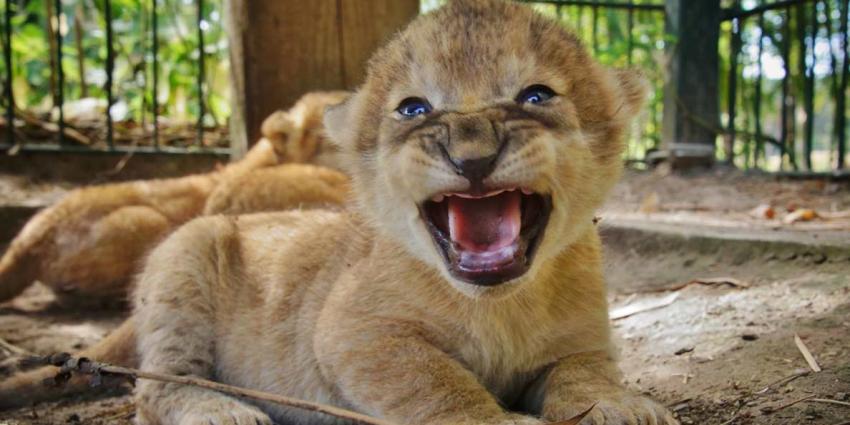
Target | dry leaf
(731,281)
(642,306)
(810,359)
(800,215)
(650,204)
(835,215)
(577,419)
(763,211)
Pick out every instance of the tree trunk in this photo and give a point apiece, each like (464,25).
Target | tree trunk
(691,110)
(282,49)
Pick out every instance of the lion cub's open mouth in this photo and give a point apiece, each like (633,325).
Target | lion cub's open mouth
(487,239)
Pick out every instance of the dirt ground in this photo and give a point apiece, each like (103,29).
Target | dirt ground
(718,352)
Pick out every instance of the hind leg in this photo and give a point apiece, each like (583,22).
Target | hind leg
(99,270)
(118,348)
(176,320)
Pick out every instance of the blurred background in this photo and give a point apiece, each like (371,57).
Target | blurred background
(775,93)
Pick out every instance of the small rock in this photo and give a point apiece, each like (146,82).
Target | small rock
(749,337)
(788,256)
(841,396)
(685,350)
(702,359)
(686,420)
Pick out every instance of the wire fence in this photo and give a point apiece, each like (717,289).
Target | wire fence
(144,128)
(784,75)
(786,78)
(623,34)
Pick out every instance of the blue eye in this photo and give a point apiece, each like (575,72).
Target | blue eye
(535,94)
(413,107)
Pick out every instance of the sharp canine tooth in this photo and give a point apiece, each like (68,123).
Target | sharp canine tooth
(526,191)
(438,198)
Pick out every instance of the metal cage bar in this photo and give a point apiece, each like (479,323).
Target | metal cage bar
(155,72)
(630,29)
(201,73)
(733,13)
(59,101)
(9,91)
(610,5)
(110,71)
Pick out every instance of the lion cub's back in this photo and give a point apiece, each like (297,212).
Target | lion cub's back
(271,257)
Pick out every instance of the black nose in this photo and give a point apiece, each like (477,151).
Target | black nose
(475,169)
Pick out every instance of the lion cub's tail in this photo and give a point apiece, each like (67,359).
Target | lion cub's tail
(26,388)
(20,264)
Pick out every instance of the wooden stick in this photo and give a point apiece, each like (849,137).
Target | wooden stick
(772,410)
(810,359)
(784,381)
(13,349)
(85,366)
(69,364)
(826,400)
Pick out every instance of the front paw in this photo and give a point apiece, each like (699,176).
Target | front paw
(515,419)
(620,409)
(222,411)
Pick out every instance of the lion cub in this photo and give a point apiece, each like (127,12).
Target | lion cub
(465,281)
(88,245)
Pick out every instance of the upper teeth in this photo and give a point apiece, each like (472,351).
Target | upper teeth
(441,198)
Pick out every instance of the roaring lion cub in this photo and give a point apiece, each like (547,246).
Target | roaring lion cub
(466,280)
(88,246)
(463,287)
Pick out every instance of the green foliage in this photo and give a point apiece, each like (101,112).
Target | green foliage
(177,92)
(605,30)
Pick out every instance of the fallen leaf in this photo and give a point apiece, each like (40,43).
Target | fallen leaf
(810,359)
(763,211)
(577,419)
(835,215)
(650,204)
(642,306)
(800,215)
(731,281)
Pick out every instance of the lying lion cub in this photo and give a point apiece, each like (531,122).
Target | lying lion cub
(465,281)
(88,245)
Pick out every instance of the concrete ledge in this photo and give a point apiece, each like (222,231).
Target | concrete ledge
(648,237)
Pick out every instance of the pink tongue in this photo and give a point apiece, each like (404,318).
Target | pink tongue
(485,224)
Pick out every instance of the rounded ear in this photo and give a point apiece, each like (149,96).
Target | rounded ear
(340,122)
(279,129)
(634,91)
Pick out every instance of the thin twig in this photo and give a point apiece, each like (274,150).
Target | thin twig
(783,381)
(99,370)
(13,349)
(69,364)
(826,400)
(771,410)
(807,354)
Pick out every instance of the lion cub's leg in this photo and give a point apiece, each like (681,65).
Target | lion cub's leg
(176,331)
(580,381)
(397,374)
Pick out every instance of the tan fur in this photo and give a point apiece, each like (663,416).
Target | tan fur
(88,245)
(357,309)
